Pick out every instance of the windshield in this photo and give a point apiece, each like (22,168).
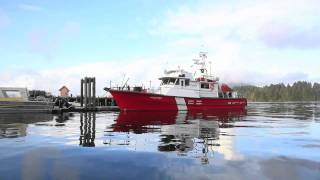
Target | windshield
(166,81)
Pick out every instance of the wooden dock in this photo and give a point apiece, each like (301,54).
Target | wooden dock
(88,101)
(12,107)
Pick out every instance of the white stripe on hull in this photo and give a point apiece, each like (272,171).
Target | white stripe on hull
(181,104)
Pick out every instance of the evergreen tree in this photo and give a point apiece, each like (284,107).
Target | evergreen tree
(299,91)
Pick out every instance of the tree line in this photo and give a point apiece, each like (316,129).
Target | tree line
(298,91)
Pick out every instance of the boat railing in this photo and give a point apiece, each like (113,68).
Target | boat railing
(131,88)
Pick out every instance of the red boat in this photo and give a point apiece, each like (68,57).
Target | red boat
(179,90)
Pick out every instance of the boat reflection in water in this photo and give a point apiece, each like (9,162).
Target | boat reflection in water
(141,121)
(186,133)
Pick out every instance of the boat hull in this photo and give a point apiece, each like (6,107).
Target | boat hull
(140,101)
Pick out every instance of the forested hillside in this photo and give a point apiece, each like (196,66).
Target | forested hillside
(299,91)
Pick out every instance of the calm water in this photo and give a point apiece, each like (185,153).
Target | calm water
(266,141)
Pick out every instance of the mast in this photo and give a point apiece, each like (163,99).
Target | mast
(210,67)
(202,63)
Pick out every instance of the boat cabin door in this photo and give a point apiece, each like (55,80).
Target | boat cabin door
(182,82)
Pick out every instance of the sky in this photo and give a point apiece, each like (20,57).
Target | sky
(47,44)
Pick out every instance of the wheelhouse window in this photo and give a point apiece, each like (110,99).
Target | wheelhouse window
(187,82)
(167,81)
(164,81)
(204,85)
(177,82)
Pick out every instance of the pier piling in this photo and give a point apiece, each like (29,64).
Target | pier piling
(88,93)
(81,95)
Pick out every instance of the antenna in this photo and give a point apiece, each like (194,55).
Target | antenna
(203,55)
(165,67)
(210,67)
(196,61)
(124,76)
(202,62)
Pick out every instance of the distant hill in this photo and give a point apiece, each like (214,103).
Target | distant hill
(299,91)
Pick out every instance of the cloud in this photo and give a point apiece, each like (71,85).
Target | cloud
(140,71)
(257,42)
(4,19)
(29,7)
(284,23)
(288,36)
(265,78)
